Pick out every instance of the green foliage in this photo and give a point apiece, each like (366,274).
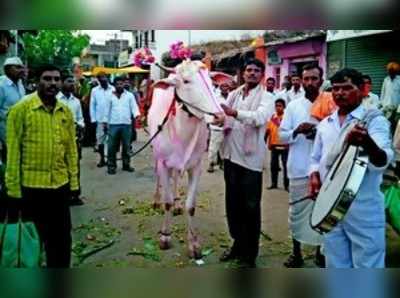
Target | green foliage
(54,46)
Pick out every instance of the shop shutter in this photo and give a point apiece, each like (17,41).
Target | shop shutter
(371,54)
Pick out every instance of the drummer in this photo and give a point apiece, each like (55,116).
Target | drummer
(358,241)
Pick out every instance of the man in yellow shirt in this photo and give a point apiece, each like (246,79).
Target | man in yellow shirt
(42,171)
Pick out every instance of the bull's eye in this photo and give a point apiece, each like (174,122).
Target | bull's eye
(186,81)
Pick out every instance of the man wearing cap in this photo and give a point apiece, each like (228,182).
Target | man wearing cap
(11,91)
(390,94)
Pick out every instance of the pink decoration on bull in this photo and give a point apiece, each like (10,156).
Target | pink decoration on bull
(143,57)
(179,51)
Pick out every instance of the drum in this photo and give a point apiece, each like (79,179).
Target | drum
(339,189)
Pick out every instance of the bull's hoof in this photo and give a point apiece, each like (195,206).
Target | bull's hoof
(165,242)
(178,209)
(156,206)
(195,253)
(194,248)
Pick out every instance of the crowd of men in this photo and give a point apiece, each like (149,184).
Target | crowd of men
(307,122)
(299,124)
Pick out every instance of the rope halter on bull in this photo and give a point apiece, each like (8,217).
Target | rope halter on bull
(178,99)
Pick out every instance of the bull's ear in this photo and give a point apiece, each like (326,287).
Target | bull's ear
(165,83)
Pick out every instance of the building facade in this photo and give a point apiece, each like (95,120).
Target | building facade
(288,56)
(104,54)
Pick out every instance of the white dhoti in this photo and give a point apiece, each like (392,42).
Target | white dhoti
(300,213)
(216,139)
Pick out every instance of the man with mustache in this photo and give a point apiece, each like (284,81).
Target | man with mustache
(297,90)
(358,241)
(298,129)
(42,164)
(246,111)
(370,100)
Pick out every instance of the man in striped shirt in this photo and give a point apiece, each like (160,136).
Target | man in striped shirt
(42,166)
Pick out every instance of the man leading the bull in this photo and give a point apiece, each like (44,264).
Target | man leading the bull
(246,113)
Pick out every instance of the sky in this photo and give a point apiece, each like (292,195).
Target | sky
(100,36)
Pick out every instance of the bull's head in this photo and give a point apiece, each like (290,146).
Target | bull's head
(194,87)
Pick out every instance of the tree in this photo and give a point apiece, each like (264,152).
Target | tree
(54,46)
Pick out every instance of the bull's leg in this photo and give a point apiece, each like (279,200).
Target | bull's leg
(193,238)
(157,194)
(178,208)
(167,198)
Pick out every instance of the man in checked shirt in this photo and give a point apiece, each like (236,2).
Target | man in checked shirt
(42,166)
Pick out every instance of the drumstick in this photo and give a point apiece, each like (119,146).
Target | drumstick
(302,200)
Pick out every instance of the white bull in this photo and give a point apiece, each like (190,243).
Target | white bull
(182,142)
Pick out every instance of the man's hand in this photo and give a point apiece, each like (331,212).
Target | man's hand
(219,119)
(314,184)
(304,128)
(358,136)
(229,111)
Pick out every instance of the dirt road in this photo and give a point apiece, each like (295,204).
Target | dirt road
(118,228)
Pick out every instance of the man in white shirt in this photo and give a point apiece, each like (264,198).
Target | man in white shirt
(358,241)
(11,91)
(216,132)
(298,129)
(122,108)
(297,90)
(129,88)
(370,100)
(99,102)
(67,97)
(246,113)
(390,94)
(271,94)
(285,87)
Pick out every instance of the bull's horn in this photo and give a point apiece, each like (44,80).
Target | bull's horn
(167,69)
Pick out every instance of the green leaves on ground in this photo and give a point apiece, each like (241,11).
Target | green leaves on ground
(150,250)
(92,238)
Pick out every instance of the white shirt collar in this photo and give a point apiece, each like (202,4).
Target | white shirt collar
(357,113)
(63,96)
